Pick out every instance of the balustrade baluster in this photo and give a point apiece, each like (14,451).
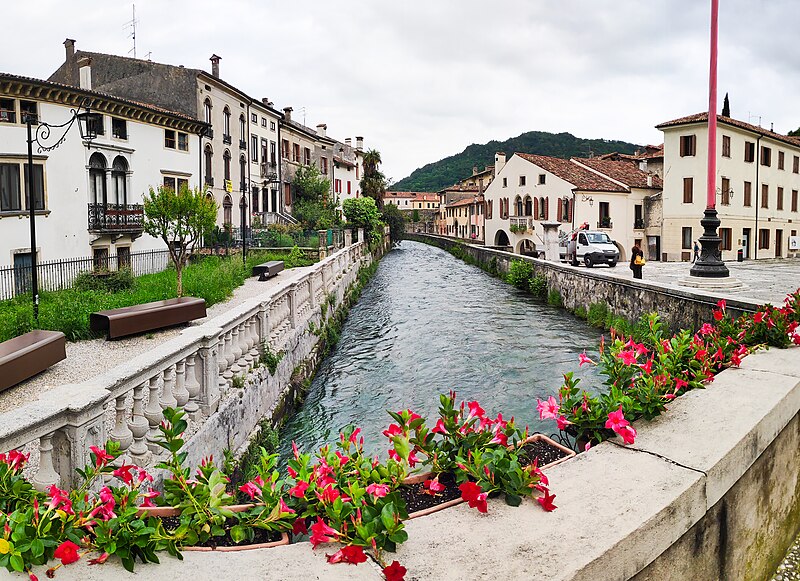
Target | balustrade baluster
(46,475)
(180,391)
(236,342)
(138,426)
(249,342)
(167,393)
(154,415)
(121,432)
(192,386)
(229,358)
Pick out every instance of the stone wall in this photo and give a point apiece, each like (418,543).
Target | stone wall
(580,287)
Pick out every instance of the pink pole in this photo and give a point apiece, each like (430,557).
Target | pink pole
(711,181)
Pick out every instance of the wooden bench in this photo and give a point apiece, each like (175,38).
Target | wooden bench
(24,356)
(268,269)
(147,317)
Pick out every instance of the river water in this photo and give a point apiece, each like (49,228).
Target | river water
(428,323)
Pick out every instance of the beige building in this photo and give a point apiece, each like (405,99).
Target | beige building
(465,218)
(448,196)
(757,183)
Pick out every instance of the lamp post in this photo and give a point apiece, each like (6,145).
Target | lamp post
(88,130)
(709,264)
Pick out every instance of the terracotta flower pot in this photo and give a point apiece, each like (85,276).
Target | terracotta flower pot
(167,511)
(552,443)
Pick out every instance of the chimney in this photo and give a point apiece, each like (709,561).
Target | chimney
(322,129)
(348,141)
(69,44)
(474,169)
(85,73)
(499,161)
(215,65)
(359,142)
(266,101)
(287,113)
(649,181)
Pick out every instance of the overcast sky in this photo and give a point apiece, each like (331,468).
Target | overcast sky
(421,80)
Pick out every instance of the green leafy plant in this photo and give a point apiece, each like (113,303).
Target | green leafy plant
(269,358)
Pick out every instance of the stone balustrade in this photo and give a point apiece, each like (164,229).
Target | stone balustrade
(195,371)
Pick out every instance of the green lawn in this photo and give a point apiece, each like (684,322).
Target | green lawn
(213,278)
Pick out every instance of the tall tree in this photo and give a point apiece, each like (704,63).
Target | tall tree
(314,205)
(180,219)
(795,133)
(726,107)
(373,182)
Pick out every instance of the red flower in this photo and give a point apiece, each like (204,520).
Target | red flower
(322,533)
(101,456)
(718,315)
(299,527)
(472,493)
(250,489)
(395,572)
(329,494)
(628,357)
(378,490)
(67,552)
(350,554)
(758,317)
(32,577)
(124,473)
(474,410)
(299,490)
(438,429)
(433,486)
(547,501)
(99,560)
(393,430)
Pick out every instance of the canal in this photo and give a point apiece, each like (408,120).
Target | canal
(428,323)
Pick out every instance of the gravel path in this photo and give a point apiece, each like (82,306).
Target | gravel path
(789,570)
(86,359)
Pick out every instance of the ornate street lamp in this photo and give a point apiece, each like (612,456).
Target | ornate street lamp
(709,264)
(87,125)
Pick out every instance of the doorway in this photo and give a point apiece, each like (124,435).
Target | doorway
(778,243)
(746,242)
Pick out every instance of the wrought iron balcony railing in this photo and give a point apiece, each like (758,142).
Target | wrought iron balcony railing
(116,218)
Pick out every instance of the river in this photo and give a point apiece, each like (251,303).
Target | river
(428,323)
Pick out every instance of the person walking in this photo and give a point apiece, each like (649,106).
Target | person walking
(637,261)
(696,252)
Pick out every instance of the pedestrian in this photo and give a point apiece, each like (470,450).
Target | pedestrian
(637,261)
(696,251)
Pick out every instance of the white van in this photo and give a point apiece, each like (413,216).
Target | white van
(589,247)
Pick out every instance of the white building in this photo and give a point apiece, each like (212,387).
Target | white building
(757,183)
(263,171)
(88,194)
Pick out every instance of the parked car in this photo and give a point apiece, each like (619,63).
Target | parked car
(589,247)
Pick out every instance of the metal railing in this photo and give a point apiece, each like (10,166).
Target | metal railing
(60,274)
(116,218)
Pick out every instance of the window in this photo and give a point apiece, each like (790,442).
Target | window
(726,146)
(779,201)
(226,125)
(254,199)
(9,187)
(285,148)
(287,194)
(781,159)
(28,109)
(505,182)
(796,164)
(323,167)
(349,191)
(272,125)
(688,143)
(522,180)
(296,152)
(254,148)
(97,178)
(170,182)
(518,210)
(605,215)
(763,238)
(119,180)
(764,196)
(272,146)
(209,155)
(766,156)
(242,173)
(263,122)
(96,124)
(227,204)
(749,151)
(528,206)
(183,141)
(726,192)
(100,256)
(242,129)
(727,239)
(264,144)
(8,111)
(748,194)
(226,165)
(638,216)
(119,128)
(306,156)
(542,178)
(207,111)
(686,238)
(254,118)
(169,139)
(794,200)
(123,256)
(688,190)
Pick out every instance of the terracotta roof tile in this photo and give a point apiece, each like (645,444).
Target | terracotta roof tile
(466,202)
(581,178)
(459,188)
(621,171)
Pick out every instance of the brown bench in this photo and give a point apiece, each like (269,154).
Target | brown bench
(24,356)
(147,317)
(268,269)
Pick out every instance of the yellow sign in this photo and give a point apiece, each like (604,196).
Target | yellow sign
(228,186)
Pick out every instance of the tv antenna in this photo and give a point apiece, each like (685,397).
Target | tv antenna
(303,109)
(132,25)
(750,118)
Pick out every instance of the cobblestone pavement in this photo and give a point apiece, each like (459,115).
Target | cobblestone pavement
(789,570)
(767,281)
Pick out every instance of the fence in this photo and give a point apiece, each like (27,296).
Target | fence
(60,274)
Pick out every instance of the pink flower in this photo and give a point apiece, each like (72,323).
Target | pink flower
(99,560)
(142,476)
(439,427)
(295,450)
(433,486)
(721,304)
(394,455)
(562,422)
(616,420)
(292,472)
(499,438)
(628,357)
(474,410)
(59,499)
(322,533)
(285,508)
(329,494)
(148,498)
(628,434)
(587,446)
(472,493)
(393,430)
(101,456)
(250,489)
(706,329)
(378,490)
(584,359)
(350,554)
(354,435)
(124,473)
(548,410)
(299,490)
(15,459)
(412,459)
(647,367)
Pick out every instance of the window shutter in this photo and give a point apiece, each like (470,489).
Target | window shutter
(547,208)
(560,215)
(489,209)
(536,208)
(571,210)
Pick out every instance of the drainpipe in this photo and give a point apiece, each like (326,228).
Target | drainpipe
(573,209)
(249,186)
(757,160)
(279,170)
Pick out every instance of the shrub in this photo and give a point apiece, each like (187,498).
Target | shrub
(538,287)
(269,358)
(520,274)
(554,299)
(111,282)
(597,315)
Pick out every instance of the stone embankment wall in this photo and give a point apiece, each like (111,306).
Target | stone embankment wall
(580,287)
(212,371)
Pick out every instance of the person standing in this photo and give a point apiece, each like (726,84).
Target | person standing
(696,252)
(637,261)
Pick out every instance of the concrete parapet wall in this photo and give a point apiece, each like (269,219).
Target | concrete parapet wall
(580,287)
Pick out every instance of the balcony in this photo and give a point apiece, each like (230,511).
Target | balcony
(209,180)
(638,224)
(242,144)
(209,133)
(269,172)
(227,139)
(521,224)
(120,218)
(605,223)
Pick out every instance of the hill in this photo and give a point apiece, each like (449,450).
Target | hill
(445,172)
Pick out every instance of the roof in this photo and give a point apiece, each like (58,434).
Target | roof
(459,188)
(580,177)
(466,202)
(622,171)
(423,196)
(703,118)
(343,161)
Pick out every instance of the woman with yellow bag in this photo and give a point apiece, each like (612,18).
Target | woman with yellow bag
(637,261)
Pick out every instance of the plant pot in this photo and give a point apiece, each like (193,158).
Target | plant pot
(565,452)
(168,511)
(419,479)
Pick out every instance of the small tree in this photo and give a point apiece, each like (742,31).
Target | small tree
(415,216)
(363,213)
(180,219)
(314,205)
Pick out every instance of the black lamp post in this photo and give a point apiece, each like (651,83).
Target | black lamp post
(87,126)
(243,210)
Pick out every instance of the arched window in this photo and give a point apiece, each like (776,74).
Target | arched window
(242,129)
(518,206)
(119,177)
(209,155)
(226,164)
(528,206)
(243,172)
(97,178)
(226,123)
(207,110)
(542,209)
(227,204)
